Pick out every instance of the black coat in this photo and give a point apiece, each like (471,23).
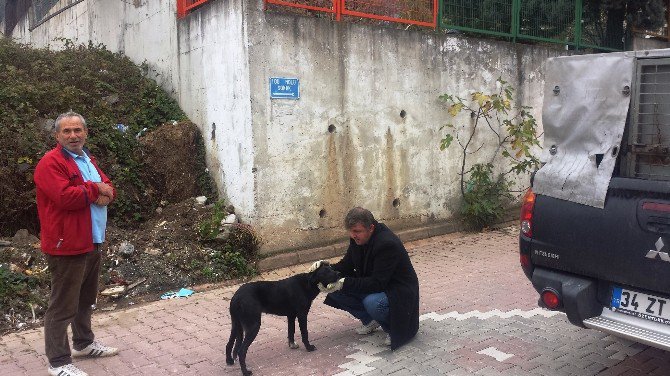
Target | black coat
(384,265)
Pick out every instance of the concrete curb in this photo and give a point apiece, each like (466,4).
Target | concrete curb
(302,256)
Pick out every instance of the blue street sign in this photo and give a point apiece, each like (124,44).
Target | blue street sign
(284,88)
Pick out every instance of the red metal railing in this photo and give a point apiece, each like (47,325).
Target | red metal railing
(413,12)
(184,6)
(327,6)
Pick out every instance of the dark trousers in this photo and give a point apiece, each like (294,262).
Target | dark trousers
(74,289)
(365,307)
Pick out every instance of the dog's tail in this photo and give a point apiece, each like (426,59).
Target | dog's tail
(236,332)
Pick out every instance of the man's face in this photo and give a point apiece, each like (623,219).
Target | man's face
(360,233)
(72,134)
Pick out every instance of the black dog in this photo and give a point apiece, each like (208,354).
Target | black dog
(291,297)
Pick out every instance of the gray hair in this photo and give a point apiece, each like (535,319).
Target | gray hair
(67,115)
(359,215)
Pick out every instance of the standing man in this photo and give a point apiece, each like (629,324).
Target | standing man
(72,198)
(380,286)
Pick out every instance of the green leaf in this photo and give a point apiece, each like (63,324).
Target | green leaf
(446,141)
(446,98)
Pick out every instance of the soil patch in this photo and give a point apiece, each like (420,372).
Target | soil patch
(161,255)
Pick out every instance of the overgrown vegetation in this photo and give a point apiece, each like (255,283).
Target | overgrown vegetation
(233,245)
(211,227)
(19,292)
(152,153)
(227,262)
(512,130)
(107,89)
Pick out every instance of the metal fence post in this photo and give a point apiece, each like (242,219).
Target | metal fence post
(579,10)
(181,8)
(440,6)
(337,7)
(516,19)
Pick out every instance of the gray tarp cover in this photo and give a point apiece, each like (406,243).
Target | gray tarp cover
(584,119)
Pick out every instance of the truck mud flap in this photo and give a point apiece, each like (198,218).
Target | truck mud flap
(578,295)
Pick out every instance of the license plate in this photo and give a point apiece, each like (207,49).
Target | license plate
(649,307)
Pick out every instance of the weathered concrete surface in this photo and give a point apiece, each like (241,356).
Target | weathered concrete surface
(359,79)
(294,167)
(478,317)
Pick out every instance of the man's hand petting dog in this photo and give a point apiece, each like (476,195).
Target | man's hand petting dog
(332,287)
(291,297)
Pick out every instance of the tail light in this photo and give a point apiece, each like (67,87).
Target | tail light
(527,206)
(550,298)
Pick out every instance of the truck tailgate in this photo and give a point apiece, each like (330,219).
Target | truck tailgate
(627,242)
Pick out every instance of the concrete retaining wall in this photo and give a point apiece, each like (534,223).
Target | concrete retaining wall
(294,167)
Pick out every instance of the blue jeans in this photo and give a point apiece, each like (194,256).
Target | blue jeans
(365,307)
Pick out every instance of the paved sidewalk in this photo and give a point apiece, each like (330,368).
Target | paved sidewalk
(479,316)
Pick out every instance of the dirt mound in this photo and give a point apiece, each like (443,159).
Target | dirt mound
(174,164)
(114,95)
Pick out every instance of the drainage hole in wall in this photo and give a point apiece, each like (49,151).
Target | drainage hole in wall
(615,150)
(322,213)
(403,114)
(396,202)
(331,128)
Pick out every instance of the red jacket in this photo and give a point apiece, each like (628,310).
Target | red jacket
(63,203)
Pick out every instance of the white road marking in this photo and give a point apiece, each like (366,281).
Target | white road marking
(495,353)
(487,315)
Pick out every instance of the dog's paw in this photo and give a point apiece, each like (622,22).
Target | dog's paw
(310,347)
(230,361)
(246,373)
(293,345)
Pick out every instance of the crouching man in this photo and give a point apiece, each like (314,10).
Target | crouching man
(380,286)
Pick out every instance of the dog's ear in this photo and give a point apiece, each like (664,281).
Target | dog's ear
(311,276)
(321,265)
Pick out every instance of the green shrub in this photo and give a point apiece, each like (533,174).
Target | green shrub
(228,263)
(210,228)
(244,240)
(485,198)
(36,85)
(511,129)
(18,290)
(234,252)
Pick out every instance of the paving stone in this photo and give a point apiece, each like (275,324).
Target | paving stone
(473,296)
(389,368)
